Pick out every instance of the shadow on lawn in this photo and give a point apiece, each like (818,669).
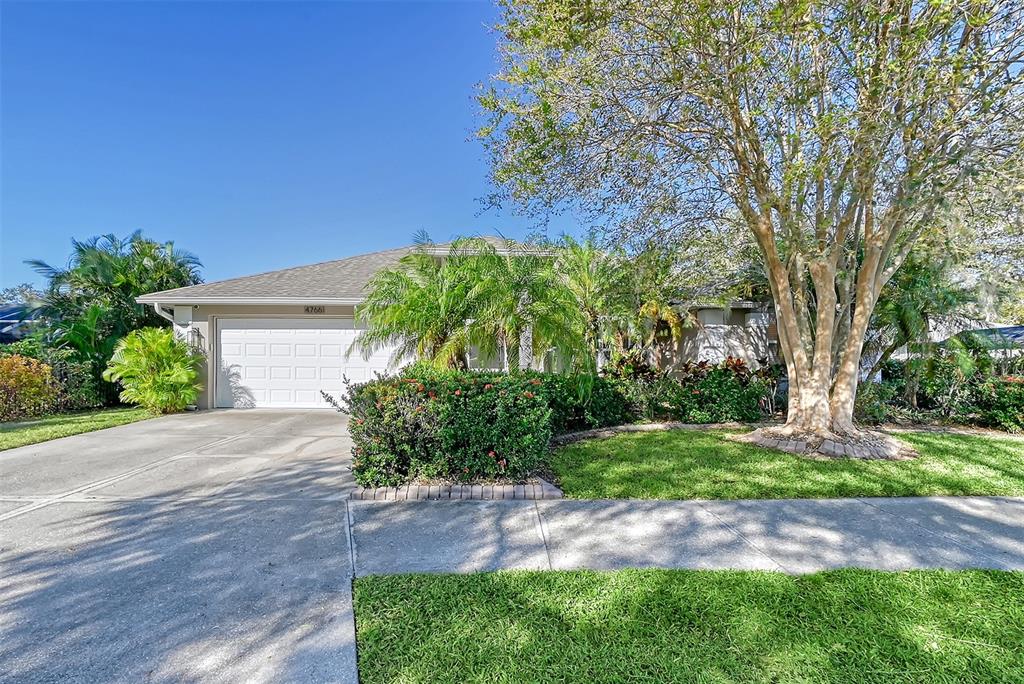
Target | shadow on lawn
(240,585)
(845,626)
(696,464)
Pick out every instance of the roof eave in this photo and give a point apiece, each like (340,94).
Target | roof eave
(171,300)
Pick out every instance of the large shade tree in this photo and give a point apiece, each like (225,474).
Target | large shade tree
(836,133)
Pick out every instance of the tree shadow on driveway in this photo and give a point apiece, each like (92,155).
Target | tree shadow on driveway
(251,583)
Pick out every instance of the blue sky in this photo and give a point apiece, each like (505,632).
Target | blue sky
(258,135)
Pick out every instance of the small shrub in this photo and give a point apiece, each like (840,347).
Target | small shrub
(630,365)
(78,387)
(155,370)
(27,388)
(999,403)
(702,393)
(874,401)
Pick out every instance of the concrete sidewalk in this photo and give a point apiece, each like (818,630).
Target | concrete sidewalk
(789,535)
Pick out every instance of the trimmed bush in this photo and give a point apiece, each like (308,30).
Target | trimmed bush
(27,388)
(156,370)
(464,426)
(446,424)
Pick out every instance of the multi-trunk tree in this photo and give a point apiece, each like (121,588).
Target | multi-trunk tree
(839,134)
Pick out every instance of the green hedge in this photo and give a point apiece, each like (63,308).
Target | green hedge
(458,425)
(464,426)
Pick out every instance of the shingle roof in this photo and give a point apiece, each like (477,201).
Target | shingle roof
(341,281)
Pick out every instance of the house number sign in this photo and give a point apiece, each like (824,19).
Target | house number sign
(315,309)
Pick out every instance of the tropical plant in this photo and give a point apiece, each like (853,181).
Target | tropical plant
(90,303)
(836,134)
(155,370)
(425,307)
(521,310)
(920,293)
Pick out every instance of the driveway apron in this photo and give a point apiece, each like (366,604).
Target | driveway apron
(196,547)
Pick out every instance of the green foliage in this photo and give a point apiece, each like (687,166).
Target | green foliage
(90,304)
(155,370)
(435,423)
(999,403)
(701,393)
(959,386)
(465,425)
(27,388)
(705,464)
(79,388)
(874,401)
(847,626)
(566,301)
(424,307)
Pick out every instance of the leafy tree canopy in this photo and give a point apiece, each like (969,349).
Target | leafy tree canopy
(838,134)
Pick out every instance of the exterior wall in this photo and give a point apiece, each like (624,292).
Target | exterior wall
(197,324)
(744,333)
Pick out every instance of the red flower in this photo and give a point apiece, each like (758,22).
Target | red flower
(491,454)
(535,381)
(488,386)
(458,393)
(465,470)
(420,387)
(432,394)
(359,421)
(528,395)
(696,392)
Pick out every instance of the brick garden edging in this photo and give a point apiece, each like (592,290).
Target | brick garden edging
(538,489)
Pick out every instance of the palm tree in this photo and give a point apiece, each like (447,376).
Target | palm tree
(594,297)
(522,308)
(90,303)
(425,307)
(920,292)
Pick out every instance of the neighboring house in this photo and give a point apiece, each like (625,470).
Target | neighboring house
(15,322)
(742,329)
(277,339)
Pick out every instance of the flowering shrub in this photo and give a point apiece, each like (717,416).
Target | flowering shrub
(460,425)
(447,424)
(27,388)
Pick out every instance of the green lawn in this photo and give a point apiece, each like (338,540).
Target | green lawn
(65,424)
(845,626)
(698,464)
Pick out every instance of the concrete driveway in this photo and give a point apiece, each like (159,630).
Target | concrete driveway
(209,546)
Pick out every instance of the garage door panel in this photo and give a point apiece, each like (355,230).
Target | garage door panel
(287,362)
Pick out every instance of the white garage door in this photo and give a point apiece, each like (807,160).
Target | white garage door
(285,362)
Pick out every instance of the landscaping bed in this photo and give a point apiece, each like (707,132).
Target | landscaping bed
(705,464)
(845,626)
(21,433)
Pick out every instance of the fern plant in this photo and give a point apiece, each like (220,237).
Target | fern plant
(155,370)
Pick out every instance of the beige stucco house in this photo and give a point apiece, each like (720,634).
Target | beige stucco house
(277,339)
